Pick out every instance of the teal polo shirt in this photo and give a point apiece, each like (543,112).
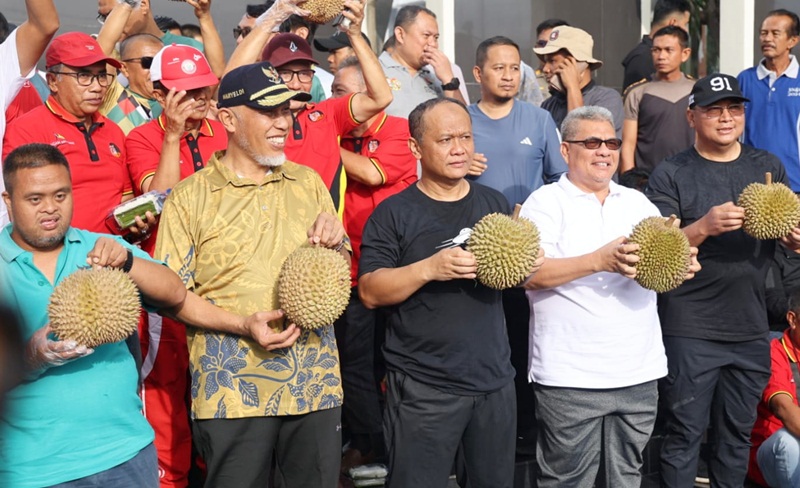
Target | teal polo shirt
(74,420)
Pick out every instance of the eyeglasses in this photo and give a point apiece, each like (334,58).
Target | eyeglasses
(102,18)
(304,75)
(238,31)
(715,112)
(541,43)
(145,61)
(85,78)
(595,142)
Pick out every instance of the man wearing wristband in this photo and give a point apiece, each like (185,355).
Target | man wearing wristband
(226,230)
(76,419)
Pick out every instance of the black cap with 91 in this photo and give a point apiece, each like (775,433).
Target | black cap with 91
(713,88)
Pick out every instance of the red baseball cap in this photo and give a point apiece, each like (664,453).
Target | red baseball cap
(286,48)
(182,67)
(76,49)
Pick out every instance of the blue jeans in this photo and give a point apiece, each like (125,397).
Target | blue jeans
(779,459)
(139,472)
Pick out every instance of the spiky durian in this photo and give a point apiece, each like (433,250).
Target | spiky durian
(505,249)
(322,11)
(314,287)
(771,210)
(664,254)
(94,307)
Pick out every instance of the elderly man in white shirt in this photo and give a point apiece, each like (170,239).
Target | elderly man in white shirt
(595,341)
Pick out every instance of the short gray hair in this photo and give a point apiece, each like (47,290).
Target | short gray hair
(569,127)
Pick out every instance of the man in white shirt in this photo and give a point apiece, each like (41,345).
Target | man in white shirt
(595,342)
(19,61)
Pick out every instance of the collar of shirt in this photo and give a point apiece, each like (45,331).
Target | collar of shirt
(10,250)
(373,129)
(59,111)
(788,346)
(573,191)
(563,95)
(388,61)
(791,72)
(205,127)
(222,176)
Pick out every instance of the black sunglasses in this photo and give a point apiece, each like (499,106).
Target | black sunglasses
(238,31)
(145,61)
(596,142)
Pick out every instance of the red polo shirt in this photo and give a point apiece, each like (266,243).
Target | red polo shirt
(96,158)
(314,141)
(781,382)
(143,148)
(385,143)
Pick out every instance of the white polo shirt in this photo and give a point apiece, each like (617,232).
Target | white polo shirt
(600,331)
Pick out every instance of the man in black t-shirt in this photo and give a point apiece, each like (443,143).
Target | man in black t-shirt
(450,381)
(715,326)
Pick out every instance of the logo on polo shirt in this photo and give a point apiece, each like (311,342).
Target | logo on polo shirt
(60,140)
(114,150)
(373,145)
(793,92)
(315,116)
(394,84)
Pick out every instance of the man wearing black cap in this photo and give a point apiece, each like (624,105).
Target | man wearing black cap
(715,326)
(338,48)
(226,230)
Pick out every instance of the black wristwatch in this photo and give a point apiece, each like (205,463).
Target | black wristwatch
(454,84)
(128,262)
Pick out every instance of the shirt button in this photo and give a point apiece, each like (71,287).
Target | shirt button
(264,207)
(41,283)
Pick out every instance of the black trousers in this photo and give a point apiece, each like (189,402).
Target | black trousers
(238,452)
(721,379)
(359,336)
(426,427)
(518,313)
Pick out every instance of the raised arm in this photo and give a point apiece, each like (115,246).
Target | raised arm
(379,94)
(212,43)
(35,33)
(114,24)
(249,51)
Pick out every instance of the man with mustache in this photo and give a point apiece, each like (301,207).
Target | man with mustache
(773,87)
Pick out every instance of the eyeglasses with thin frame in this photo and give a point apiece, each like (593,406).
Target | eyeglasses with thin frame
(715,111)
(239,31)
(101,18)
(304,75)
(85,78)
(145,61)
(595,142)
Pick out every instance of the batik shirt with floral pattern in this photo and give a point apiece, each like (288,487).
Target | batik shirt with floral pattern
(227,238)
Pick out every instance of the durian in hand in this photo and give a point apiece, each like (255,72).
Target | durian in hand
(94,307)
(771,210)
(505,249)
(322,11)
(664,255)
(314,287)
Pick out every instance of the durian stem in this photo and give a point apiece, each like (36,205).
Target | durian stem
(768,177)
(517,209)
(670,221)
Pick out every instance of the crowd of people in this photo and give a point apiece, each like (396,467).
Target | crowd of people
(384,160)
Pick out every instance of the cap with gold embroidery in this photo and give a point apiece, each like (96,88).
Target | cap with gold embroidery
(257,86)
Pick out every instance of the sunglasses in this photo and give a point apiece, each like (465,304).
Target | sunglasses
(145,61)
(238,31)
(596,142)
(715,112)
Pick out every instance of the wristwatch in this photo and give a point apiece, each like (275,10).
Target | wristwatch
(454,84)
(126,268)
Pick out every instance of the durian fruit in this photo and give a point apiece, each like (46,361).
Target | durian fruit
(314,286)
(771,210)
(505,249)
(94,307)
(664,255)
(322,11)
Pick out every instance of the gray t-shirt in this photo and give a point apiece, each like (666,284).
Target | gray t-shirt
(409,91)
(593,94)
